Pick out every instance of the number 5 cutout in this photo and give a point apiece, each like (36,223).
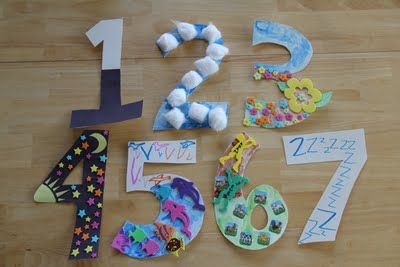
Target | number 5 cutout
(110,33)
(348,147)
(182,206)
(175,111)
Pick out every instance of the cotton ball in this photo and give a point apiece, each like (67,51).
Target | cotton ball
(186,30)
(211,33)
(177,97)
(206,66)
(216,51)
(175,117)
(198,112)
(167,42)
(191,80)
(217,119)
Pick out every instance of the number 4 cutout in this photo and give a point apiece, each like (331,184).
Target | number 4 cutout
(91,147)
(348,147)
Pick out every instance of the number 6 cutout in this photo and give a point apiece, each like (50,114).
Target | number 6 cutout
(182,206)
(175,111)
(301,97)
(347,146)
(233,211)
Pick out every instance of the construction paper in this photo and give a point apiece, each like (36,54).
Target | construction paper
(91,147)
(171,152)
(233,211)
(301,99)
(160,122)
(182,206)
(296,43)
(345,146)
(110,33)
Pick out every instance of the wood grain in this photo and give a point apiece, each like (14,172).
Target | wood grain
(48,68)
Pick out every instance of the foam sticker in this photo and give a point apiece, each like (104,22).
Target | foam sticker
(345,146)
(109,32)
(189,117)
(301,97)
(91,147)
(182,206)
(233,211)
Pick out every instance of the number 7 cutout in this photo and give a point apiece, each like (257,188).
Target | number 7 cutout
(110,33)
(91,147)
(182,206)
(345,146)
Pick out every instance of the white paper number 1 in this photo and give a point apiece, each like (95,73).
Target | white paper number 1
(347,146)
(110,33)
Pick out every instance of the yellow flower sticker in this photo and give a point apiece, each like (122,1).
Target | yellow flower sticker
(295,103)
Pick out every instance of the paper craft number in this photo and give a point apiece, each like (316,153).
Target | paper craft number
(233,211)
(91,147)
(182,206)
(300,97)
(346,146)
(175,111)
(108,32)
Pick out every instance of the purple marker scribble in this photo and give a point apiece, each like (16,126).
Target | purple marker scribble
(134,177)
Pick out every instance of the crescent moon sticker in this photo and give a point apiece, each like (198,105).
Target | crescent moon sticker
(102,142)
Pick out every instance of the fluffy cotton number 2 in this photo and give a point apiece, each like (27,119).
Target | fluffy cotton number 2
(175,111)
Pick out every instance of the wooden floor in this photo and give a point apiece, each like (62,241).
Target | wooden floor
(48,68)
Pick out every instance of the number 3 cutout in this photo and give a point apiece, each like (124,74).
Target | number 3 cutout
(301,97)
(175,111)
(182,206)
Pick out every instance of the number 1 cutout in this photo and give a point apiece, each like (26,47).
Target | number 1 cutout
(348,147)
(110,33)
(91,147)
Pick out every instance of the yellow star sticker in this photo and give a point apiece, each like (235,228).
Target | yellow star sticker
(61,165)
(93,168)
(77,151)
(99,205)
(90,188)
(75,194)
(75,252)
(89,249)
(87,219)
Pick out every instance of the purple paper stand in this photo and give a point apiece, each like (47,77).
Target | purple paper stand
(111,109)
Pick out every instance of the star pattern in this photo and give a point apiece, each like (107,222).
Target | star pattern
(75,252)
(77,151)
(87,196)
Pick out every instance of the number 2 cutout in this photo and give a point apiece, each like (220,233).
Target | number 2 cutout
(110,33)
(91,147)
(182,206)
(348,147)
(175,111)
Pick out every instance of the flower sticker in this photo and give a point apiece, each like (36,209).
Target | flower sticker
(246,122)
(258,106)
(261,70)
(253,111)
(251,100)
(257,76)
(297,101)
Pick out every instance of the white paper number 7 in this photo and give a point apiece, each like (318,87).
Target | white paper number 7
(347,146)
